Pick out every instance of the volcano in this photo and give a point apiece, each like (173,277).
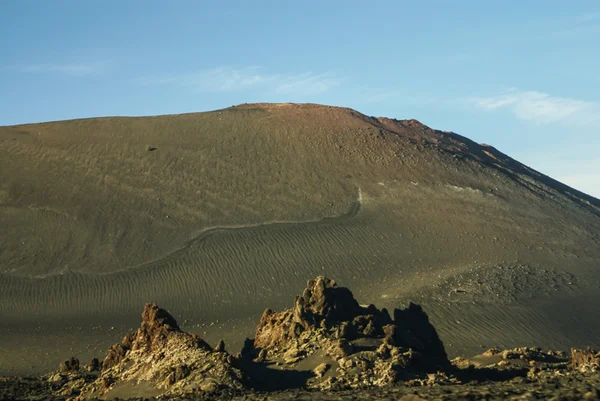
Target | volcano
(217,215)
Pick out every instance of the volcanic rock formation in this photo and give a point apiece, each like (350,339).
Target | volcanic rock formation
(159,359)
(327,340)
(351,345)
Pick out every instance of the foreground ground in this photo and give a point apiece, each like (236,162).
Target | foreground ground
(564,386)
(326,347)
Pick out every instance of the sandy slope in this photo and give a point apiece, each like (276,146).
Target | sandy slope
(236,208)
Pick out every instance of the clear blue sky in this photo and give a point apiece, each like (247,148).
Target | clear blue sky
(523,76)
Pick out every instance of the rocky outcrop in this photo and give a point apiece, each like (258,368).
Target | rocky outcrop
(327,340)
(70,365)
(161,359)
(361,346)
(585,360)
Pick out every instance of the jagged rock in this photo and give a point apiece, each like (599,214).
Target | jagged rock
(322,305)
(368,347)
(349,346)
(220,346)
(94,365)
(170,361)
(262,356)
(56,378)
(339,349)
(115,355)
(491,352)
(70,365)
(321,369)
(414,331)
(248,347)
(346,331)
(585,360)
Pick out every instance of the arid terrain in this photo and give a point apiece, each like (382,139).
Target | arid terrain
(215,216)
(326,346)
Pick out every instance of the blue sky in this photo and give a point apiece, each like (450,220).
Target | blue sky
(521,76)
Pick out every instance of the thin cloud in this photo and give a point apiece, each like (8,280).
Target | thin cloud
(236,80)
(77,69)
(542,108)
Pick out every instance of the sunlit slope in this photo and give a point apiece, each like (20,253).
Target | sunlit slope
(89,196)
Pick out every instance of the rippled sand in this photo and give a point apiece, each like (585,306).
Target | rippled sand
(215,228)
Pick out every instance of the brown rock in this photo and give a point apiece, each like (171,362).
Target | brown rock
(340,349)
(415,331)
(323,305)
(70,365)
(262,356)
(115,355)
(167,359)
(370,330)
(491,352)
(93,365)
(584,360)
(346,331)
(321,369)
(220,346)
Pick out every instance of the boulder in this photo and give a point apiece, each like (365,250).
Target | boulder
(70,365)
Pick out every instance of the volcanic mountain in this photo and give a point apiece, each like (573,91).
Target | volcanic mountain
(217,215)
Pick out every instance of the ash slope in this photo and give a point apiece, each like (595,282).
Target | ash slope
(111,204)
(95,224)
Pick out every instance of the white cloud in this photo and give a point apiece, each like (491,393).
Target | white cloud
(233,80)
(77,69)
(542,108)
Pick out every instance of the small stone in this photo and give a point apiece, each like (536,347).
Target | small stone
(56,378)
(220,346)
(370,330)
(491,352)
(209,385)
(291,360)
(321,369)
